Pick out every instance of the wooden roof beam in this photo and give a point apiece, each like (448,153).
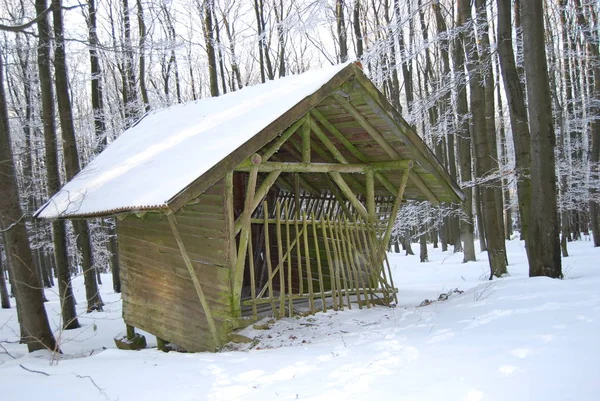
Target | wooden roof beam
(295,167)
(352,149)
(386,112)
(391,152)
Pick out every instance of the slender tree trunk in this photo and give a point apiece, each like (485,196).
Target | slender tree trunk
(59,235)
(207,10)
(452,222)
(4,294)
(142,50)
(483,151)
(357,31)
(341,30)
(544,243)
(517,112)
(72,166)
(464,151)
(35,327)
(591,38)
(423,248)
(487,72)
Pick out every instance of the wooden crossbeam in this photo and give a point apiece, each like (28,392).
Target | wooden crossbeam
(194,276)
(294,167)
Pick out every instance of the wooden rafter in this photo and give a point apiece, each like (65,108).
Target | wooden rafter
(391,152)
(376,101)
(352,149)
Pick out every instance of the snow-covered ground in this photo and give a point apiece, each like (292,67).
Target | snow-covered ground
(516,338)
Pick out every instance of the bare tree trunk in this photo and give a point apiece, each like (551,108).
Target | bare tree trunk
(517,113)
(490,119)
(341,30)
(59,235)
(35,327)
(423,248)
(4,294)
(357,31)
(591,38)
(234,62)
(207,27)
(483,153)
(142,50)
(72,166)
(544,243)
(464,152)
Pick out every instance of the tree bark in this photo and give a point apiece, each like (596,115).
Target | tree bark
(4,294)
(59,235)
(544,243)
(487,72)
(483,151)
(142,57)
(207,10)
(517,113)
(36,331)
(357,31)
(591,38)
(341,30)
(71,156)
(464,151)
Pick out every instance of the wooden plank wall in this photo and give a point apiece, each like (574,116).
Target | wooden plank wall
(158,294)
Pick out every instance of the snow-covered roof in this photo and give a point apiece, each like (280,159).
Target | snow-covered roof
(153,161)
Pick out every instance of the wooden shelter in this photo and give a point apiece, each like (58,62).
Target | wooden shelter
(294,219)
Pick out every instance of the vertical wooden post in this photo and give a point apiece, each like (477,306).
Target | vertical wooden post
(190,267)
(339,264)
(306,139)
(281,267)
(298,255)
(319,266)
(229,215)
(329,263)
(289,259)
(359,278)
(130,331)
(348,263)
(252,275)
(370,193)
(311,300)
(238,272)
(268,257)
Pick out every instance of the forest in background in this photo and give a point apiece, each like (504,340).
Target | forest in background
(505,93)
